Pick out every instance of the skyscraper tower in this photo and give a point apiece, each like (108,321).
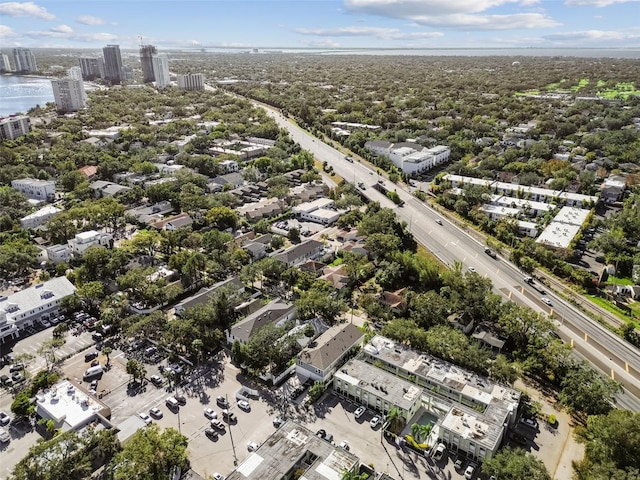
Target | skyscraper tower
(24,60)
(112,64)
(147,53)
(161,71)
(69,94)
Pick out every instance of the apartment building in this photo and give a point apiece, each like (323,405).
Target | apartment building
(14,127)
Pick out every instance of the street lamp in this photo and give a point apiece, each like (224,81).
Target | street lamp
(233,447)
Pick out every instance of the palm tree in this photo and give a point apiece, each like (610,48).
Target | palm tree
(394,419)
(420,432)
(107,351)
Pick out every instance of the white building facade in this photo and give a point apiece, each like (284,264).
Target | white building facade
(160,64)
(24,60)
(69,94)
(191,81)
(40,217)
(14,127)
(42,190)
(85,240)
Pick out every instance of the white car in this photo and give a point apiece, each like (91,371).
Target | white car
(4,418)
(344,444)
(210,413)
(359,411)
(244,405)
(547,301)
(472,270)
(217,476)
(440,449)
(252,446)
(155,412)
(471,469)
(375,421)
(145,418)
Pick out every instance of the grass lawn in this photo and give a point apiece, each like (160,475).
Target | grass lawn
(609,307)
(527,93)
(423,252)
(336,262)
(601,83)
(619,281)
(581,84)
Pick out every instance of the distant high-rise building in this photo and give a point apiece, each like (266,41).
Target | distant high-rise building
(91,67)
(112,64)
(24,60)
(191,81)
(75,73)
(68,94)
(14,127)
(5,66)
(147,53)
(161,71)
(126,74)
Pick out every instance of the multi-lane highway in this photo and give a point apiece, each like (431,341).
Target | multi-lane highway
(450,243)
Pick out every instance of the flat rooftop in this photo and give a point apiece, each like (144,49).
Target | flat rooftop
(69,407)
(466,423)
(572,215)
(498,399)
(380,383)
(558,235)
(293,447)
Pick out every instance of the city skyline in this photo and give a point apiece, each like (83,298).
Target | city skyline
(323,24)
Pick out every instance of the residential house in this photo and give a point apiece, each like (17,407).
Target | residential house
(265,208)
(177,222)
(101,189)
(337,276)
(91,238)
(229,180)
(58,253)
(307,250)
(275,313)
(394,300)
(89,171)
(39,190)
(233,284)
(257,248)
(612,189)
(22,309)
(149,214)
(228,166)
(319,360)
(40,217)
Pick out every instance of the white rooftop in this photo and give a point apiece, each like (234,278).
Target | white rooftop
(572,215)
(558,235)
(66,405)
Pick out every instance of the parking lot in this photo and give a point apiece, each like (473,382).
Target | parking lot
(218,377)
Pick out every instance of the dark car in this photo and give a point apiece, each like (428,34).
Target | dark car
(518,438)
(490,252)
(181,399)
(222,402)
(211,433)
(90,356)
(230,417)
(16,367)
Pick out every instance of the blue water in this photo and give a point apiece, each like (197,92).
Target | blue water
(19,94)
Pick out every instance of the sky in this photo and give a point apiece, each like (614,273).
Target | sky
(322,23)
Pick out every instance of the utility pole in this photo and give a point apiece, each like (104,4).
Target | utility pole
(233,447)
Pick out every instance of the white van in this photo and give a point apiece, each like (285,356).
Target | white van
(93,372)
(172,403)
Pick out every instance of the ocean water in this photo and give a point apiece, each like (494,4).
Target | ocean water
(19,94)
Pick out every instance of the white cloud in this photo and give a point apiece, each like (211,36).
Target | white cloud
(592,36)
(595,3)
(377,32)
(90,20)
(6,32)
(65,32)
(454,14)
(322,43)
(62,29)
(26,9)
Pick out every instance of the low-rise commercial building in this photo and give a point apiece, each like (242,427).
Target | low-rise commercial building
(479,410)
(22,309)
(318,211)
(293,451)
(412,158)
(70,407)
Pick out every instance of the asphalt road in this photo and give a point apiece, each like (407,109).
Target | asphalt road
(607,352)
